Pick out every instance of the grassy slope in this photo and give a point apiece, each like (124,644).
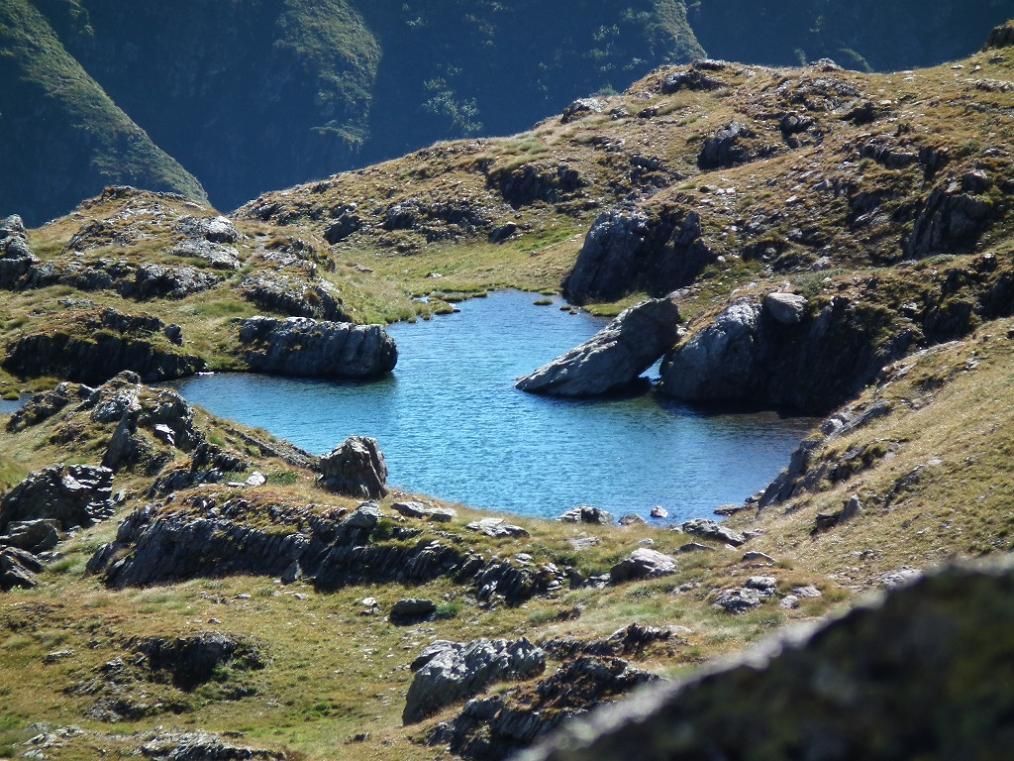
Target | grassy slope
(63,137)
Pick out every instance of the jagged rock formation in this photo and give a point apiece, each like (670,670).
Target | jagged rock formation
(615,357)
(92,347)
(201,746)
(626,250)
(35,536)
(447,672)
(280,294)
(73,495)
(18,569)
(716,532)
(356,468)
(893,675)
(16,257)
(214,537)
(317,349)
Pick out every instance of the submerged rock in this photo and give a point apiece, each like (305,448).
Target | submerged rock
(318,349)
(884,680)
(615,357)
(356,468)
(71,495)
(447,672)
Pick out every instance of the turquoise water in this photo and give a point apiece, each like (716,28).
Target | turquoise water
(452,425)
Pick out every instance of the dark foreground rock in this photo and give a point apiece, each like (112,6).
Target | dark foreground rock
(615,357)
(33,536)
(356,468)
(494,727)
(926,671)
(447,672)
(16,258)
(303,347)
(72,495)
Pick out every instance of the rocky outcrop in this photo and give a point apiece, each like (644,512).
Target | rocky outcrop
(317,349)
(212,229)
(495,727)
(728,147)
(885,678)
(763,355)
(72,495)
(16,258)
(213,538)
(526,184)
(615,357)
(317,300)
(642,563)
(951,220)
(356,468)
(626,250)
(447,672)
(43,406)
(1000,37)
(93,347)
(158,281)
(412,610)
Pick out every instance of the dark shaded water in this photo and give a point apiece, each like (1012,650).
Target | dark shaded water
(452,425)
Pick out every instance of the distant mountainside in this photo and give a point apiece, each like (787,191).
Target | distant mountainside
(244,96)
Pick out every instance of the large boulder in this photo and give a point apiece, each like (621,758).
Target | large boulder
(201,746)
(925,671)
(72,495)
(706,528)
(626,250)
(32,536)
(447,672)
(294,297)
(615,357)
(356,467)
(317,349)
(950,221)
(192,660)
(729,146)
(642,563)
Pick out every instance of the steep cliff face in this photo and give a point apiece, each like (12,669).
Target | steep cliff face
(248,94)
(63,138)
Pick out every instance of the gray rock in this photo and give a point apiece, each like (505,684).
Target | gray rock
(219,256)
(71,495)
(18,569)
(627,251)
(356,468)
(583,107)
(615,357)
(419,510)
(642,563)
(950,221)
(412,610)
(726,147)
(757,557)
(311,348)
(631,519)
(33,536)
(786,308)
(587,514)
(213,229)
(192,660)
(16,258)
(201,746)
(709,529)
(694,547)
(454,671)
(365,517)
(497,528)
(295,297)
(738,599)
(169,282)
